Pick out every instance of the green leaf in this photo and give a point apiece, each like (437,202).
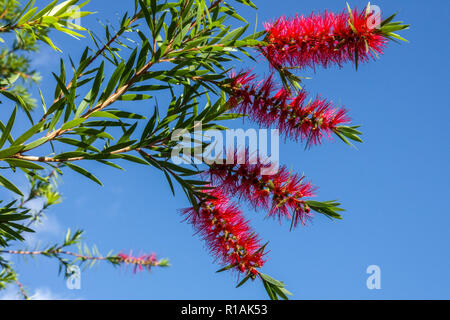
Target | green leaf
(36,143)
(92,132)
(150,125)
(97,83)
(343,138)
(104,114)
(149,87)
(84,172)
(73,123)
(71,154)
(77,143)
(20,227)
(84,103)
(274,287)
(129,67)
(280,291)
(111,164)
(11,232)
(113,81)
(46,9)
(24,164)
(272,280)
(10,151)
(396,36)
(132,158)
(330,209)
(58,105)
(134,97)
(29,133)
(243,281)
(226,268)
(142,58)
(146,14)
(13,217)
(126,115)
(269,291)
(48,41)
(61,85)
(248,3)
(9,185)
(2,128)
(16,98)
(8,128)
(105,123)
(169,181)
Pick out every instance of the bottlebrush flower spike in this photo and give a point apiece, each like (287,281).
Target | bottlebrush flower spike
(146,261)
(283,194)
(293,115)
(227,234)
(323,39)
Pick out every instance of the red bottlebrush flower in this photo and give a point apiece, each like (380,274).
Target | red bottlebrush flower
(293,115)
(282,194)
(322,39)
(227,234)
(146,261)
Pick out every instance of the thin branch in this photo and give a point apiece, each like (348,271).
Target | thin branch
(22,290)
(97,54)
(62,160)
(148,261)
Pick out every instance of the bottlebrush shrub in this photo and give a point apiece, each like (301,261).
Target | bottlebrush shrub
(282,194)
(291,113)
(228,235)
(325,39)
(185,50)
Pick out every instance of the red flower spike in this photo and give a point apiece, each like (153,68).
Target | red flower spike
(282,194)
(227,234)
(322,39)
(139,263)
(293,115)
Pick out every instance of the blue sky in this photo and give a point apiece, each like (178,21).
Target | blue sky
(394,186)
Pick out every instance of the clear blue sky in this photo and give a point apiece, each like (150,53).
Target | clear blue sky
(394,186)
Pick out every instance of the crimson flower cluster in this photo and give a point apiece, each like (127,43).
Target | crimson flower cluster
(226,232)
(317,40)
(322,39)
(268,105)
(139,263)
(281,194)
